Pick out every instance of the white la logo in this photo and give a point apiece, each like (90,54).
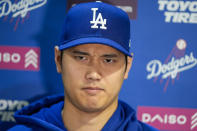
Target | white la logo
(98,20)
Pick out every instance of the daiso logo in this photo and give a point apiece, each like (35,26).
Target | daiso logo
(165,119)
(19,58)
(172,119)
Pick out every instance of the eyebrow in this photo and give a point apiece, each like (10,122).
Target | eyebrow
(80,52)
(110,55)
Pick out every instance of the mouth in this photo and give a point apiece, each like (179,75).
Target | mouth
(92,90)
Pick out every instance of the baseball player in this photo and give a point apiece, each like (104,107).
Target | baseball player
(93,58)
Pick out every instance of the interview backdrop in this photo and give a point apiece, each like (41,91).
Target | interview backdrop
(162,83)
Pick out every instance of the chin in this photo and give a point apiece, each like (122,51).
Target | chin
(92,109)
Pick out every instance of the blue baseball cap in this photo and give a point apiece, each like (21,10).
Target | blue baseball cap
(96,23)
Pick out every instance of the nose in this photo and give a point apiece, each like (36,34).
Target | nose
(93,72)
(93,76)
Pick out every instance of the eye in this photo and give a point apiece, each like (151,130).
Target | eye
(109,60)
(80,58)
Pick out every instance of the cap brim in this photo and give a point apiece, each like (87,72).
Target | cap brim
(93,40)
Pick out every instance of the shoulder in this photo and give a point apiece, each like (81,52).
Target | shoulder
(147,127)
(20,128)
(131,121)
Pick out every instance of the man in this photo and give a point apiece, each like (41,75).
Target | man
(93,58)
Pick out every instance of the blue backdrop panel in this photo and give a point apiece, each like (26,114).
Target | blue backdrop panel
(155,39)
(163,36)
(28,24)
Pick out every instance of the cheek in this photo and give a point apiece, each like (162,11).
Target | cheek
(114,81)
(71,75)
(72,82)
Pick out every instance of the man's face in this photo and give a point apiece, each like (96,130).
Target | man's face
(92,75)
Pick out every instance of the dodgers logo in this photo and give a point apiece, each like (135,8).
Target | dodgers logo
(175,63)
(98,20)
(19,9)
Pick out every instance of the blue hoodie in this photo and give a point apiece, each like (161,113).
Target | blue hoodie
(45,115)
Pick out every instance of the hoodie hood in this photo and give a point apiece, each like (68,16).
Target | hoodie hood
(45,114)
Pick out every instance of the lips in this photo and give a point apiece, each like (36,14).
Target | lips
(92,90)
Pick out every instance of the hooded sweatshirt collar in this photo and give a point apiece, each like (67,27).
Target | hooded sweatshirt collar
(46,114)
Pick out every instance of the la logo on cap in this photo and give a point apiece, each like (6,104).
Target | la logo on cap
(98,20)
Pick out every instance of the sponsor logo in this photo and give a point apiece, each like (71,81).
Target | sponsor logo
(175,63)
(98,20)
(176,119)
(8,107)
(19,58)
(129,6)
(172,68)
(19,9)
(179,11)
(194,121)
(31,58)
(128,9)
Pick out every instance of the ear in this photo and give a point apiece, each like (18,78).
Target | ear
(58,59)
(129,64)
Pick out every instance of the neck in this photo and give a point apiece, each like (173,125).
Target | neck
(77,120)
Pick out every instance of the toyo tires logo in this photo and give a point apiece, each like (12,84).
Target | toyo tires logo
(8,107)
(179,11)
